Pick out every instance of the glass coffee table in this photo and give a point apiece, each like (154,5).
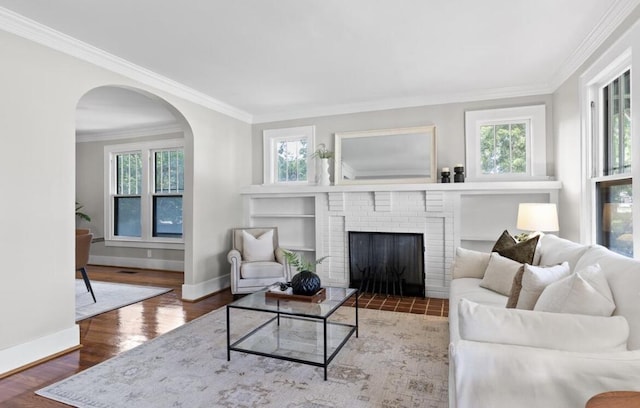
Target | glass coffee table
(294,330)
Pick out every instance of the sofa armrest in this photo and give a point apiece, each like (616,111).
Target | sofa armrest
(234,255)
(500,375)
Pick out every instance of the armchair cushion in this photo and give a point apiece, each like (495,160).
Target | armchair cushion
(262,269)
(258,248)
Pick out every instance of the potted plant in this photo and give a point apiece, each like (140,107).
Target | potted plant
(80,214)
(306,281)
(324,155)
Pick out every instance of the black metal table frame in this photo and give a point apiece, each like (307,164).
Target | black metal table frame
(290,315)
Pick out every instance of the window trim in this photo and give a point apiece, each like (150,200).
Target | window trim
(269,139)
(146,240)
(592,81)
(536,154)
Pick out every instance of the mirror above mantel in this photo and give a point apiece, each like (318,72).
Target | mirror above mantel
(402,155)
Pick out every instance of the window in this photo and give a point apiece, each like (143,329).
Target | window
(612,181)
(503,148)
(286,155)
(506,143)
(144,192)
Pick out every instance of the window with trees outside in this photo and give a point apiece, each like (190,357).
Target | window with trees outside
(614,198)
(506,143)
(144,191)
(503,147)
(286,155)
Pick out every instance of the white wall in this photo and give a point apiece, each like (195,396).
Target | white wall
(40,90)
(448,119)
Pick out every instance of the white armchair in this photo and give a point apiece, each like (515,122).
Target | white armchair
(256,259)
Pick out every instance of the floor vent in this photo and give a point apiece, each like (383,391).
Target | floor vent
(130,272)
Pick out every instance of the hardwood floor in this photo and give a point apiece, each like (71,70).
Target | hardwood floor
(111,333)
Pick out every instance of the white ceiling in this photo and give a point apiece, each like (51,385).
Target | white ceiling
(279,59)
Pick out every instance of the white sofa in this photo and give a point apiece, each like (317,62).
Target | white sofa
(520,358)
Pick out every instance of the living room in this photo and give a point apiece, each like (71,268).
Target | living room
(47,74)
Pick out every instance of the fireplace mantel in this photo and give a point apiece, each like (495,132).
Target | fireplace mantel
(315,220)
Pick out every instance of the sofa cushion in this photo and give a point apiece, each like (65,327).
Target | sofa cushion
(554,250)
(556,331)
(522,252)
(535,279)
(257,249)
(500,273)
(261,269)
(586,291)
(469,288)
(469,263)
(623,276)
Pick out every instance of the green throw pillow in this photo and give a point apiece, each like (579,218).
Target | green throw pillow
(522,252)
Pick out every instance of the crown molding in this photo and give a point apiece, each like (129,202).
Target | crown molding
(29,29)
(609,22)
(129,133)
(21,26)
(399,103)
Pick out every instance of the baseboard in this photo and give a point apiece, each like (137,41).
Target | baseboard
(141,263)
(203,289)
(24,354)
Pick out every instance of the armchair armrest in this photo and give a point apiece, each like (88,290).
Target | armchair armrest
(234,255)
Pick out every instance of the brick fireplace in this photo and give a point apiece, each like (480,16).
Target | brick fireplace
(425,213)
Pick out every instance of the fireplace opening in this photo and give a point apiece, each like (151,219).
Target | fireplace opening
(387,263)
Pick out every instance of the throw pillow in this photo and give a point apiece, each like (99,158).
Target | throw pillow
(535,279)
(499,274)
(555,331)
(257,249)
(469,263)
(516,287)
(583,292)
(522,252)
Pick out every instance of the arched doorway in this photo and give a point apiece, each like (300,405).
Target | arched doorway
(122,124)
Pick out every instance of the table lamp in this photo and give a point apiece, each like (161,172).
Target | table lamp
(536,218)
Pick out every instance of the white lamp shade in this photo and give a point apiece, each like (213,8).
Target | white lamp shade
(537,217)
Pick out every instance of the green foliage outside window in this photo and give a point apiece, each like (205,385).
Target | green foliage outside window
(292,160)
(503,148)
(129,173)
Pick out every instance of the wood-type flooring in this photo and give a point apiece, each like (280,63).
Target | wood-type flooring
(111,333)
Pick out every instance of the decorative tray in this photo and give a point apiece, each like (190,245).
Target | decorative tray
(317,298)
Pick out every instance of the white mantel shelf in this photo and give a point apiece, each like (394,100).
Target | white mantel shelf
(467,186)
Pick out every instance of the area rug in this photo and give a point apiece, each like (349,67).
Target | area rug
(110,296)
(399,360)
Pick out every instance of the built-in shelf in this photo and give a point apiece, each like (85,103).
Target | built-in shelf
(314,220)
(293,214)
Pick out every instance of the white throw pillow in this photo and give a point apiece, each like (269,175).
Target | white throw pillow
(555,331)
(469,263)
(583,292)
(535,279)
(499,274)
(258,249)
